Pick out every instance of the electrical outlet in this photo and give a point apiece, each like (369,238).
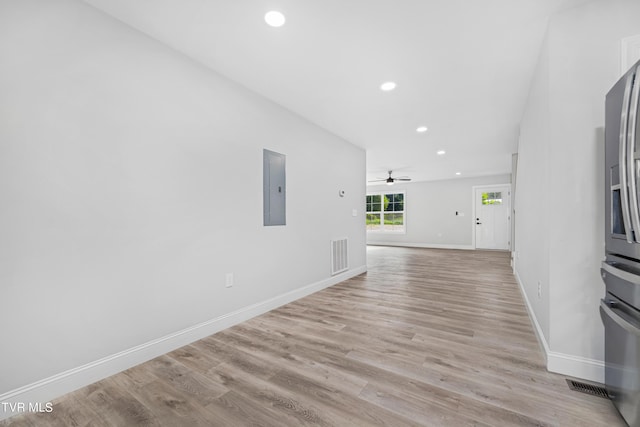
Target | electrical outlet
(229,280)
(539,289)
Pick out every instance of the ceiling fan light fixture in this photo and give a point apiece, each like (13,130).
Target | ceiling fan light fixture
(274,18)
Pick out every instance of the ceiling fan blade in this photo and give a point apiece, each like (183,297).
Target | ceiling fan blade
(391,179)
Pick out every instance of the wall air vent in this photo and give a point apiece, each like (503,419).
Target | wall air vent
(339,256)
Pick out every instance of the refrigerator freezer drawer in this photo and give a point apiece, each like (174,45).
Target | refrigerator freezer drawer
(622,358)
(622,280)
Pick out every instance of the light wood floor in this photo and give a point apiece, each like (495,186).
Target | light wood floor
(426,337)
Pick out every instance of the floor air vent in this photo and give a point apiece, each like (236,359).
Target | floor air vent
(588,388)
(339,258)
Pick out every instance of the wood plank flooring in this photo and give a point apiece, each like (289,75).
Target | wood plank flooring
(426,337)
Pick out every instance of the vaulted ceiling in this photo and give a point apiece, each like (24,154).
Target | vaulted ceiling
(462,69)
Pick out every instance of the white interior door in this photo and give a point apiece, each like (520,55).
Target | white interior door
(493,217)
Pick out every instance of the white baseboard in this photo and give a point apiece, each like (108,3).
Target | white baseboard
(421,245)
(561,363)
(576,366)
(41,392)
(534,320)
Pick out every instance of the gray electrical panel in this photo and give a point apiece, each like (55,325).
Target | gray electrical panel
(274,188)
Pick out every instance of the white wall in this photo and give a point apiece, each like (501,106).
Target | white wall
(131,183)
(561,180)
(532,196)
(431,207)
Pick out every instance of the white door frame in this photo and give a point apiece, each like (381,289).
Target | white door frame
(473,208)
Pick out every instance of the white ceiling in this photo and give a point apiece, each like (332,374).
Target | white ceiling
(463,68)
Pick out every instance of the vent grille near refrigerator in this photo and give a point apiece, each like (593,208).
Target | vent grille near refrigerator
(339,258)
(588,388)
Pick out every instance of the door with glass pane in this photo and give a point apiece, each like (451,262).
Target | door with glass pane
(492,220)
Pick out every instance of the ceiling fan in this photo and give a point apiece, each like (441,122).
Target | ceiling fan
(391,180)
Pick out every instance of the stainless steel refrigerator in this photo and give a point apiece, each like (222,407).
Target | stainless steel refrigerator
(620,308)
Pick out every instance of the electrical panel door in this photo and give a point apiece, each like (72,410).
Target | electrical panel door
(274,188)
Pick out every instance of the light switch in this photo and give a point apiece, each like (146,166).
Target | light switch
(354,212)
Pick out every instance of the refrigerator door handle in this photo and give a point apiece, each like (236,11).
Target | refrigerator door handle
(618,319)
(631,160)
(624,275)
(624,188)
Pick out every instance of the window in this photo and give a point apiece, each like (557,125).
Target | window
(492,198)
(385,212)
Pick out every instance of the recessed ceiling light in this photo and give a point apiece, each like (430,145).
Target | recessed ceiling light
(274,18)
(421,129)
(458,173)
(440,152)
(387,86)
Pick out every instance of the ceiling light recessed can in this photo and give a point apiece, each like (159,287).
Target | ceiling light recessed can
(421,129)
(458,173)
(387,86)
(441,152)
(274,18)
